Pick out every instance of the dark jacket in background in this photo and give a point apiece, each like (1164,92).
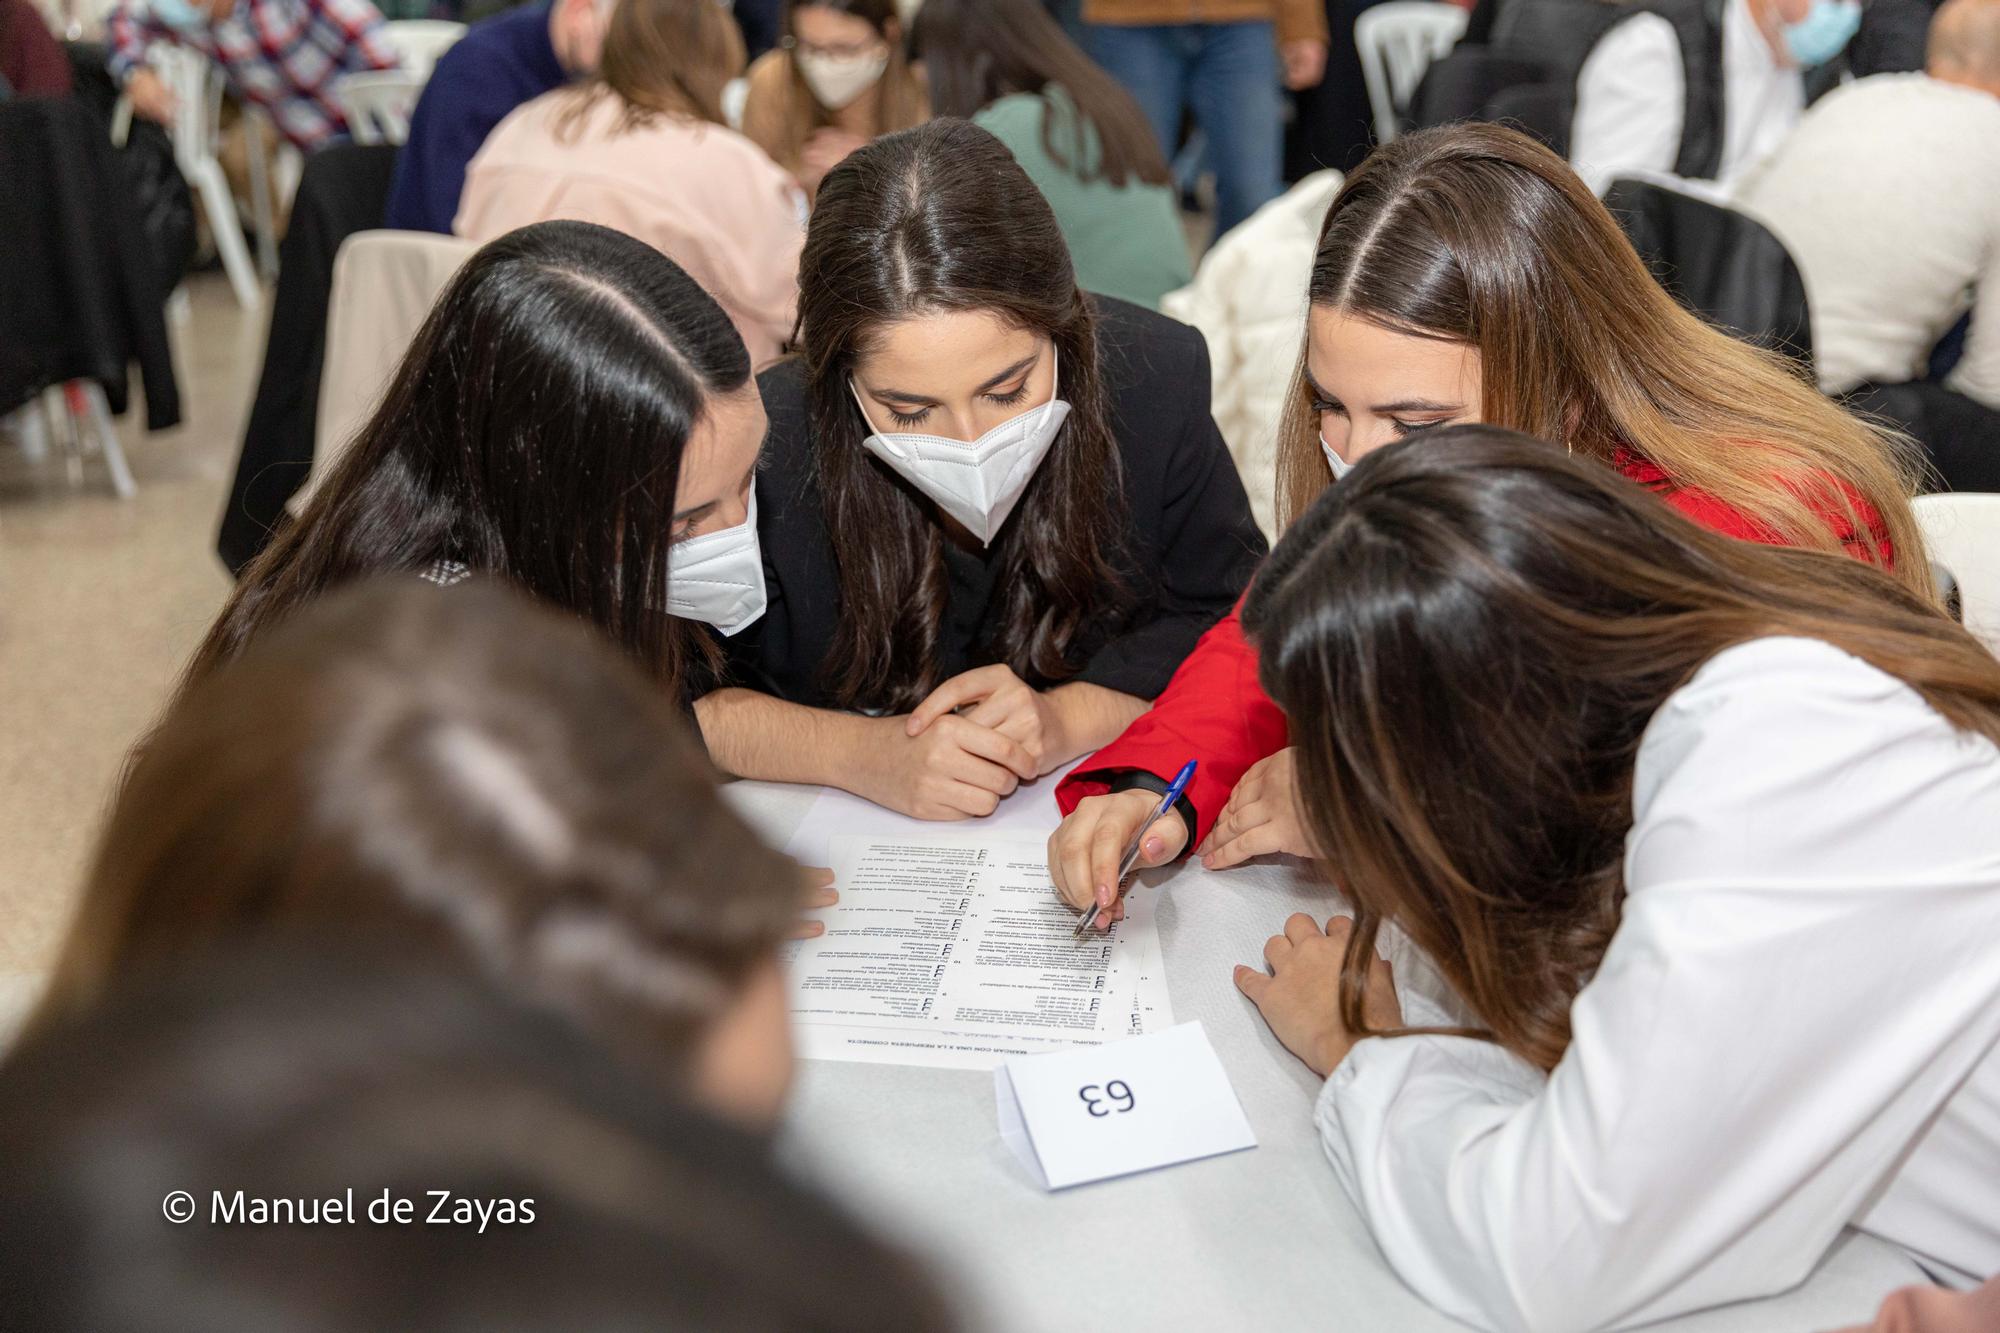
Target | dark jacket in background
(500,63)
(1187,548)
(81,295)
(341,191)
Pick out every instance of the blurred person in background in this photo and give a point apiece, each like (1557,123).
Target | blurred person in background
(280,55)
(575,1196)
(1663,91)
(32,63)
(499,64)
(487,782)
(1227,62)
(641,148)
(1006,66)
(839,79)
(1888,197)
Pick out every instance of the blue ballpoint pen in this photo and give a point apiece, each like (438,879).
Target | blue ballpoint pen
(1131,857)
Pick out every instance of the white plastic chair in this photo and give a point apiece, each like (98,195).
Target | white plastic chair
(419,42)
(1398,41)
(196,84)
(1963,534)
(378,104)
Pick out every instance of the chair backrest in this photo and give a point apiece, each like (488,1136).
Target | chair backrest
(1963,534)
(384,284)
(378,104)
(1462,85)
(419,42)
(1718,262)
(196,83)
(1540,110)
(1398,40)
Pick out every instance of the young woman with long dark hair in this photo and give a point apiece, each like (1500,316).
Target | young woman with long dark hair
(1007,66)
(1467,274)
(1706,836)
(575,417)
(995,513)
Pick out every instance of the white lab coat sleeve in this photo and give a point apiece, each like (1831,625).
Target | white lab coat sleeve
(1630,101)
(1804,972)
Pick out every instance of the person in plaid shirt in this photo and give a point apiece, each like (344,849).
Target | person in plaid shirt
(282,55)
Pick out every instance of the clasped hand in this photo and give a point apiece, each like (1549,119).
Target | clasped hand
(969,744)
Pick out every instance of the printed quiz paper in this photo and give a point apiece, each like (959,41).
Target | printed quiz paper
(955,952)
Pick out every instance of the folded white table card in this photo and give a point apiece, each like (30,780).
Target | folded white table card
(1095,1112)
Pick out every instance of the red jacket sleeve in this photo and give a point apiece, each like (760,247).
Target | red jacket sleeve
(1212,711)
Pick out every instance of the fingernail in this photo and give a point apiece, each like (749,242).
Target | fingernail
(1104,896)
(1154,846)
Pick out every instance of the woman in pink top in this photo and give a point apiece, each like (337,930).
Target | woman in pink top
(642,148)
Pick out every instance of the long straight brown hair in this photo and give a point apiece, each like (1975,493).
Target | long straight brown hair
(1476,604)
(936,218)
(663,57)
(976,52)
(1477,234)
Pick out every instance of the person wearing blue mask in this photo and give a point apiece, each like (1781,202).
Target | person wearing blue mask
(1702,89)
(283,56)
(994,511)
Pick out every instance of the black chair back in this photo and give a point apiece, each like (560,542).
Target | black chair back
(1724,265)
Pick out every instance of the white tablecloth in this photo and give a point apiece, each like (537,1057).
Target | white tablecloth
(1258,1240)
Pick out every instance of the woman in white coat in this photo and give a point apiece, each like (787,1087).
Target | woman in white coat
(1705,834)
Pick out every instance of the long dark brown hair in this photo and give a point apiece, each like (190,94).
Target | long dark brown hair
(1469,635)
(976,52)
(483,777)
(664,57)
(533,432)
(1477,234)
(940,218)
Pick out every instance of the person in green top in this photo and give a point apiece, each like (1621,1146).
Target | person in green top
(1008,67)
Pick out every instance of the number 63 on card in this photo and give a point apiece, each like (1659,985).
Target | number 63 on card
(1101,1111)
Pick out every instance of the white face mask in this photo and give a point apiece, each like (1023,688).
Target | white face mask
(1339,466)
(838,80)
(978,483)
(718,577)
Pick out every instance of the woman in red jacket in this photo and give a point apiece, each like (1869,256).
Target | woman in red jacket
(1466,274)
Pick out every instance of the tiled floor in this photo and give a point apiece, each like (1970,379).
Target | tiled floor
(101,601)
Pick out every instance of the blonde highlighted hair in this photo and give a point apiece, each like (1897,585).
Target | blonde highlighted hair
(1477,234)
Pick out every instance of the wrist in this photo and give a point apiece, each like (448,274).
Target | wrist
(1328,1052)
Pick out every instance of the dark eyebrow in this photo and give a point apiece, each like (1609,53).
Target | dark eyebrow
(1005,375)
(1417,405)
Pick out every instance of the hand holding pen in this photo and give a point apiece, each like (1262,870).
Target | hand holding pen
(1097,876)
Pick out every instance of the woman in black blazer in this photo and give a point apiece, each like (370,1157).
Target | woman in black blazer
(995,512)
